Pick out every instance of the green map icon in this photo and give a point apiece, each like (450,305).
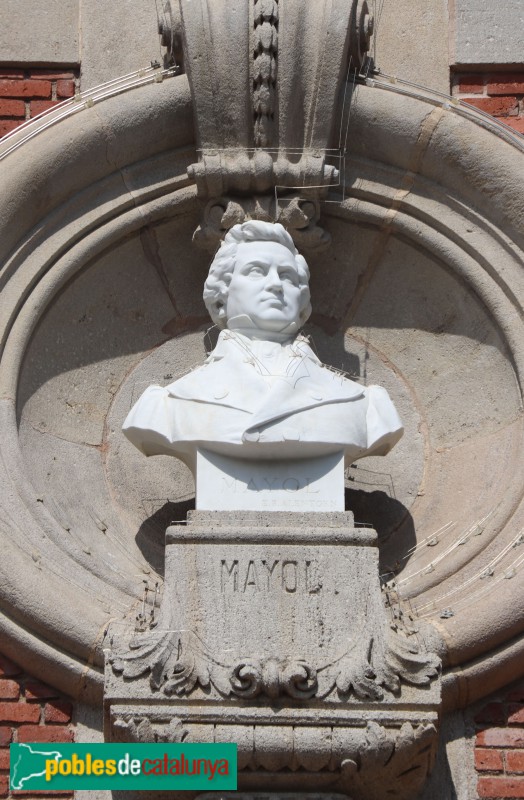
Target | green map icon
(30,763)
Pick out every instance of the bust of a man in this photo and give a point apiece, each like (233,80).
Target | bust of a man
(262,393)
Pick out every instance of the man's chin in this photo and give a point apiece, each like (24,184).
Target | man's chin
(273,323)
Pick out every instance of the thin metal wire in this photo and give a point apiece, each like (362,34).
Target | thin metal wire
(80,102)
(479,575)
(452,104)
(460,541)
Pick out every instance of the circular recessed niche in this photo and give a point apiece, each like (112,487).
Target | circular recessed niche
(425,307)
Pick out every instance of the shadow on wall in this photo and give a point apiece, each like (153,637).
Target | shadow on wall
(392,521)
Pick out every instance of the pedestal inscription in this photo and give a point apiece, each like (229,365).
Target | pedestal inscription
(314,484)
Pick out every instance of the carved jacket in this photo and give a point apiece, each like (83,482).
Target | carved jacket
(261,399)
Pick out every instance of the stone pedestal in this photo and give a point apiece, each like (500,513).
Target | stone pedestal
(273,634)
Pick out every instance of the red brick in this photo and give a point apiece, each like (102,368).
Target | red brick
(4,759)
(35,690)
(19,712)
(48,794)
(471,84)
(12,88)
(492,714)
(489,760)
(506,83)
(44,733)
(501,787)
(45,74)
(517,123)
(4,785)
(8,668)
(12,108)
(6,734)
(516,695)
(516,714)
(8,125)
(7,72)
(497,106)
(514,760)
(501,737)
(65,88)
(38,106)
(58,711)
(9,690)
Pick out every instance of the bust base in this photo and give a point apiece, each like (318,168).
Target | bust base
(224,483)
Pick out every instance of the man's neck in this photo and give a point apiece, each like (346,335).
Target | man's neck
(243,324)
(263,336)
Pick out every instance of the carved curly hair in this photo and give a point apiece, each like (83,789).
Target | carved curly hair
(223,265)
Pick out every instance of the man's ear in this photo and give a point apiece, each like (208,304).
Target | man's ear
(305,297)
(221,309)
(305,304)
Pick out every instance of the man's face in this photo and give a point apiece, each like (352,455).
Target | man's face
(265,286)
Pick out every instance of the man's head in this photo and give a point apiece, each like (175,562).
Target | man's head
(259,278)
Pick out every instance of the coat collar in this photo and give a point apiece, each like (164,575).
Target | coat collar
(265,379)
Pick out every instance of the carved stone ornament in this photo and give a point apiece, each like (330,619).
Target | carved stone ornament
(267,130)
(374,761)
(298,214)
(178,662)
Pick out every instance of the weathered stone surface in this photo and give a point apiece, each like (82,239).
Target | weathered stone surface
(42,32)
(283,614)
(485,33)
(411,42)
(117,40)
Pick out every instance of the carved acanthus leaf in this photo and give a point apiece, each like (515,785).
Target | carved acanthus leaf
(178,662)
(402,758)
(140,729)
(367,676)
(404,662)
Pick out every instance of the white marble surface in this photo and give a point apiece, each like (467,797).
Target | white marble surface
(302,484)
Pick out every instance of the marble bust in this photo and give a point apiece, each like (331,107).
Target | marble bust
(262,394)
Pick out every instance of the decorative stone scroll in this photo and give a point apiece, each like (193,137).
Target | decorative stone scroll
(300,215)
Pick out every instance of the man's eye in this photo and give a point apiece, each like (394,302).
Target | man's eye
(289,277)
(256,271)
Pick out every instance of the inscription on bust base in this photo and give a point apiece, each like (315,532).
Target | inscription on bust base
(313,484)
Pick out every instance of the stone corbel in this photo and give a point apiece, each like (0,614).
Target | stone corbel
(264,89)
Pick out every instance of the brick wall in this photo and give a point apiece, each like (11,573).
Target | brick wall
(30,711)
(499,746)
(498,93)
(24,93)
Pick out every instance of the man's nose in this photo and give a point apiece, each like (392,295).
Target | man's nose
(273,280)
